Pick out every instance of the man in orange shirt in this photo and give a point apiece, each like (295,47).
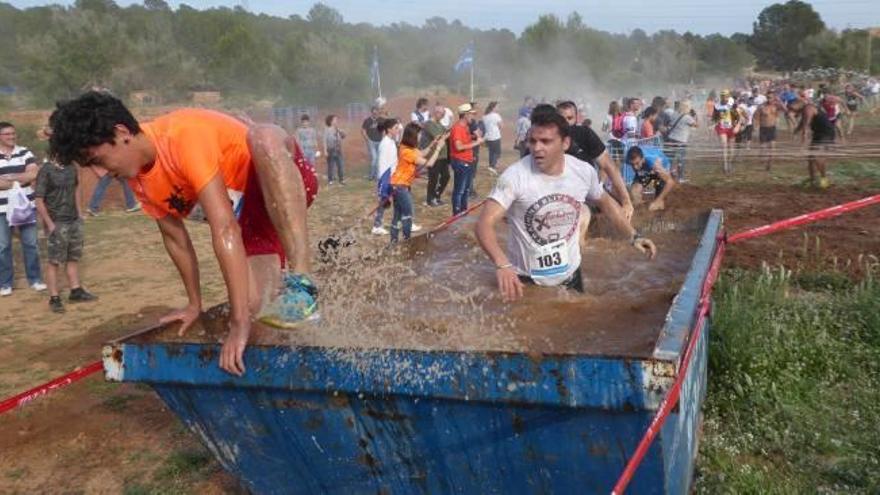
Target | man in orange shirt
(205,164)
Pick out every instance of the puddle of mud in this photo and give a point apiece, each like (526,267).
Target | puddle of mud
(438,294)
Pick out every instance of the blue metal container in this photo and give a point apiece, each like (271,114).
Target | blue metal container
(302,420)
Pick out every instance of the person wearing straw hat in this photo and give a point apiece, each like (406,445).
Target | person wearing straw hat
(543,198)
(461,156)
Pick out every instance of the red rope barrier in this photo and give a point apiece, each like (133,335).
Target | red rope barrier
(36,392)
(62,381)
(449,221)
(805,218)
(672,397)
(674,393)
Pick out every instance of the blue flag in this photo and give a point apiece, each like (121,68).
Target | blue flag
(374,68)
(466,60)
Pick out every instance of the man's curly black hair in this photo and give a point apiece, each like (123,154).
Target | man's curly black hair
(86,121)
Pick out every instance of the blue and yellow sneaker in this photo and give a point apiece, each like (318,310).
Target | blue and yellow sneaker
(297,303)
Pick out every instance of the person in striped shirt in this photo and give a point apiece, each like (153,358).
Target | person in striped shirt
(17,164)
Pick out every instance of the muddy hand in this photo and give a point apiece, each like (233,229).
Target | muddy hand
(232,353)
(628,210)
(509,284)
(186,316)
(646,246)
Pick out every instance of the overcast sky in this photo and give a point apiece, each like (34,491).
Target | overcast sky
(725,17)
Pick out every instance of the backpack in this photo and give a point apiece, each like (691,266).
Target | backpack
(20,210)
(617,126)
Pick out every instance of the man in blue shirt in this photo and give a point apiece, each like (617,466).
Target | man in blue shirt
(651,168)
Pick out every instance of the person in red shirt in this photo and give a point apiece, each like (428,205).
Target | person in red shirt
(461,156)
(409,159)
(250,182)
(648,122)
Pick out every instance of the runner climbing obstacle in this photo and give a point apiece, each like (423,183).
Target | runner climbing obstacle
(202,164)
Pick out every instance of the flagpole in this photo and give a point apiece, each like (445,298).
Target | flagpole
(378,74)
(472,82)
(473,61)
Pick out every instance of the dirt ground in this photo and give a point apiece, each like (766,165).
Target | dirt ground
(98,437)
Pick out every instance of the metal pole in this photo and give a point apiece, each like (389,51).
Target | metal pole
(472,81)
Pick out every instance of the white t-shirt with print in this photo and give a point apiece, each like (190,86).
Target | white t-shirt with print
(543,211)
(492,122)
(387,155)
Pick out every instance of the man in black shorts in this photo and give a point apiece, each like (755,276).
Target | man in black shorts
(823,136)
(766,117)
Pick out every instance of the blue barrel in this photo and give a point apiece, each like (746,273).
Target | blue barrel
(310,420)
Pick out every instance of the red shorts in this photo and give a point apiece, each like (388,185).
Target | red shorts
(257,231)
(724,131)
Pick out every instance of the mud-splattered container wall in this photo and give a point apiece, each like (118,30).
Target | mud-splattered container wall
(310,420)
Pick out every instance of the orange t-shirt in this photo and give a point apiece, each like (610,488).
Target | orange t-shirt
(647,129)
(192,146)
(460,132)
(405,172)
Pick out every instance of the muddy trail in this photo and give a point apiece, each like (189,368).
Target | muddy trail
(849,243)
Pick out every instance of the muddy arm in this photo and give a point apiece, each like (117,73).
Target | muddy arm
(613,173)
(508,282)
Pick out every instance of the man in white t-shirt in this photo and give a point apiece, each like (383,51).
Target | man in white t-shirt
(448,117)
(542,196)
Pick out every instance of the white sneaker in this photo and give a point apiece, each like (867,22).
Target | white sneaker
(39,286)
(5,291)
(416,227)
(379,231)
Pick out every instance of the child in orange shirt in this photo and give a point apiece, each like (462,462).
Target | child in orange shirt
(409,158)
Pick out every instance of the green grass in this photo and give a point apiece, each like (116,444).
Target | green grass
(794,385)
(185,463)
(860,172)
(16,473)
(177,474)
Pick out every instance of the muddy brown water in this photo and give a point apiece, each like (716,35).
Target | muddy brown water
(438,293)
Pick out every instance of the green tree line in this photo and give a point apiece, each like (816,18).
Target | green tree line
(54,52)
